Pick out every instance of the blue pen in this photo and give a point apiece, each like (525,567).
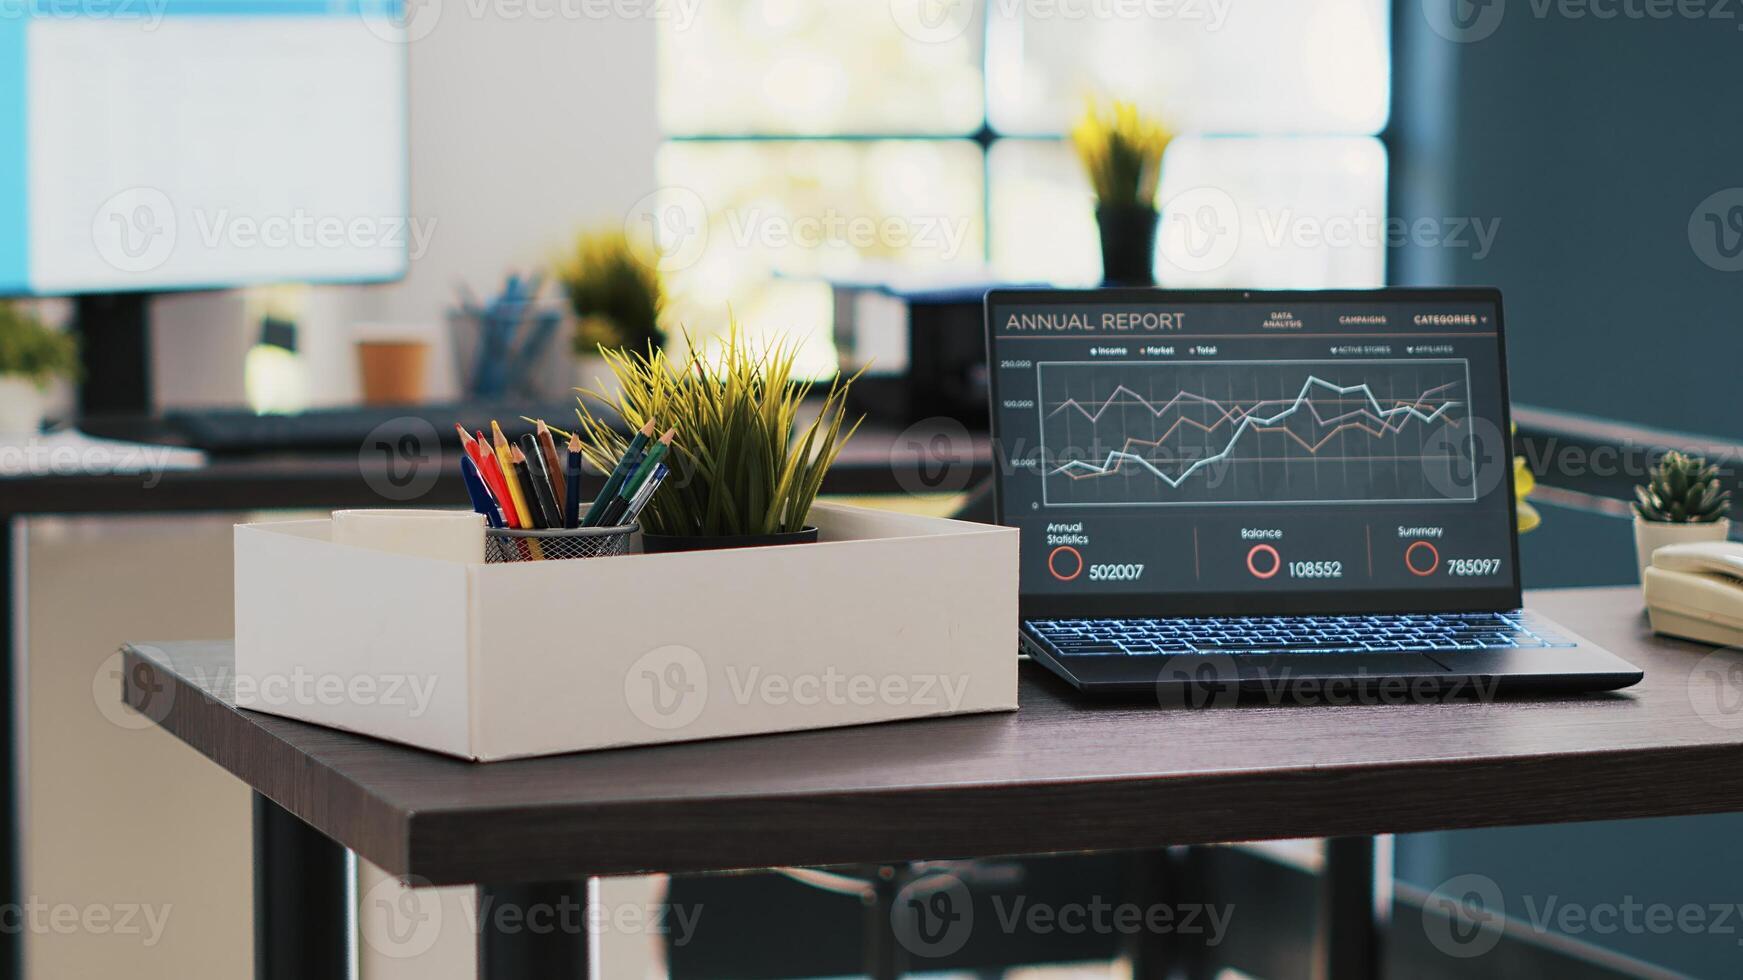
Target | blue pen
(481,499)
(645,494)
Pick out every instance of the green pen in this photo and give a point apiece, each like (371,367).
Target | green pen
(615,510)
(619,473)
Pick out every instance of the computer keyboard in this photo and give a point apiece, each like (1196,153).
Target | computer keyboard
(239,431)
(1299,634)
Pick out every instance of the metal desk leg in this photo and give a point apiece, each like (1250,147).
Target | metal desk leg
(1167,876)
(301,899)
(533,932)
(884,959)
(1347,944)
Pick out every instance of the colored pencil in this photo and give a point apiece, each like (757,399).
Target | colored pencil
(619,473)
(540,482)
(476,452)
(469,444)
(572,493)
(524,479)
(553,465)
(529,548)
(614,511)
(505,459)
(494,478)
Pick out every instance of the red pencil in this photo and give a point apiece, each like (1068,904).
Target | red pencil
(469,444)
(492,471)
(475,450)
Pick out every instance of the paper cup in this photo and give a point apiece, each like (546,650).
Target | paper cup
(393,371)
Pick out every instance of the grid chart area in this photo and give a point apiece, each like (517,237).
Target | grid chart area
(1144,433)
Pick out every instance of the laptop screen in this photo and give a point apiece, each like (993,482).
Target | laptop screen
(1180,453)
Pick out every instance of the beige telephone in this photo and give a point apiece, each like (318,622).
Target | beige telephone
(1695,591)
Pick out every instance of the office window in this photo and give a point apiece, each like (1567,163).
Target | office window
(1264,211)
(782,217)
(880,138)
(814,68)
(1274,66)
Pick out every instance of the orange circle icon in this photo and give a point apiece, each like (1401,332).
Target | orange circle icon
(1411,562)
(1053,562)
(1263,549)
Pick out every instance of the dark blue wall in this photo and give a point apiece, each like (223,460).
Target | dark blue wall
(1592,142)
(1686,867)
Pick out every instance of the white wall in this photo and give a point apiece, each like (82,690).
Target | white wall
(525,126)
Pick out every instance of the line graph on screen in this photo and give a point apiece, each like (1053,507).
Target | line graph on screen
(1135,433)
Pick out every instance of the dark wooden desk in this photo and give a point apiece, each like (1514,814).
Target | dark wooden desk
(1060,774)
(879,460)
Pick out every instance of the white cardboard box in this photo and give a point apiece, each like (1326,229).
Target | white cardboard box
(889,616)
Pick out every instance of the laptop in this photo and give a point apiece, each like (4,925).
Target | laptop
(1282,492)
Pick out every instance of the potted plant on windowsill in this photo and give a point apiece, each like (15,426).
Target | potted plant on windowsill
(32,354)
(618,301)
(1121,151)
(750,452)
(1683,502)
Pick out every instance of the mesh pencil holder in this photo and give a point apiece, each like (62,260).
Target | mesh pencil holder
(504,544)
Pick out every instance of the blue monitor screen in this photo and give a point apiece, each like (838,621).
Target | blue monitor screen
(161,144)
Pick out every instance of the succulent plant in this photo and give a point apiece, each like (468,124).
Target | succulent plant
(1683,490)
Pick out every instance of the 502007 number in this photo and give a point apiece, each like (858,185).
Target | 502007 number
(1115,573)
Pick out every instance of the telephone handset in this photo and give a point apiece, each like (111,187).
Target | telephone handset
(1695,591)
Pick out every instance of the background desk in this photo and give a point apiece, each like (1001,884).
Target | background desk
(1060,774)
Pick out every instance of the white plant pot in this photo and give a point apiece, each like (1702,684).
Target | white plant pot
(1649,536)
(21,406)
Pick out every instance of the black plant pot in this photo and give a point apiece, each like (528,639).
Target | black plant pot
(659,543)
(1128,245)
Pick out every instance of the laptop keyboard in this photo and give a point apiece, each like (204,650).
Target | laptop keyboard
(1298,634)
